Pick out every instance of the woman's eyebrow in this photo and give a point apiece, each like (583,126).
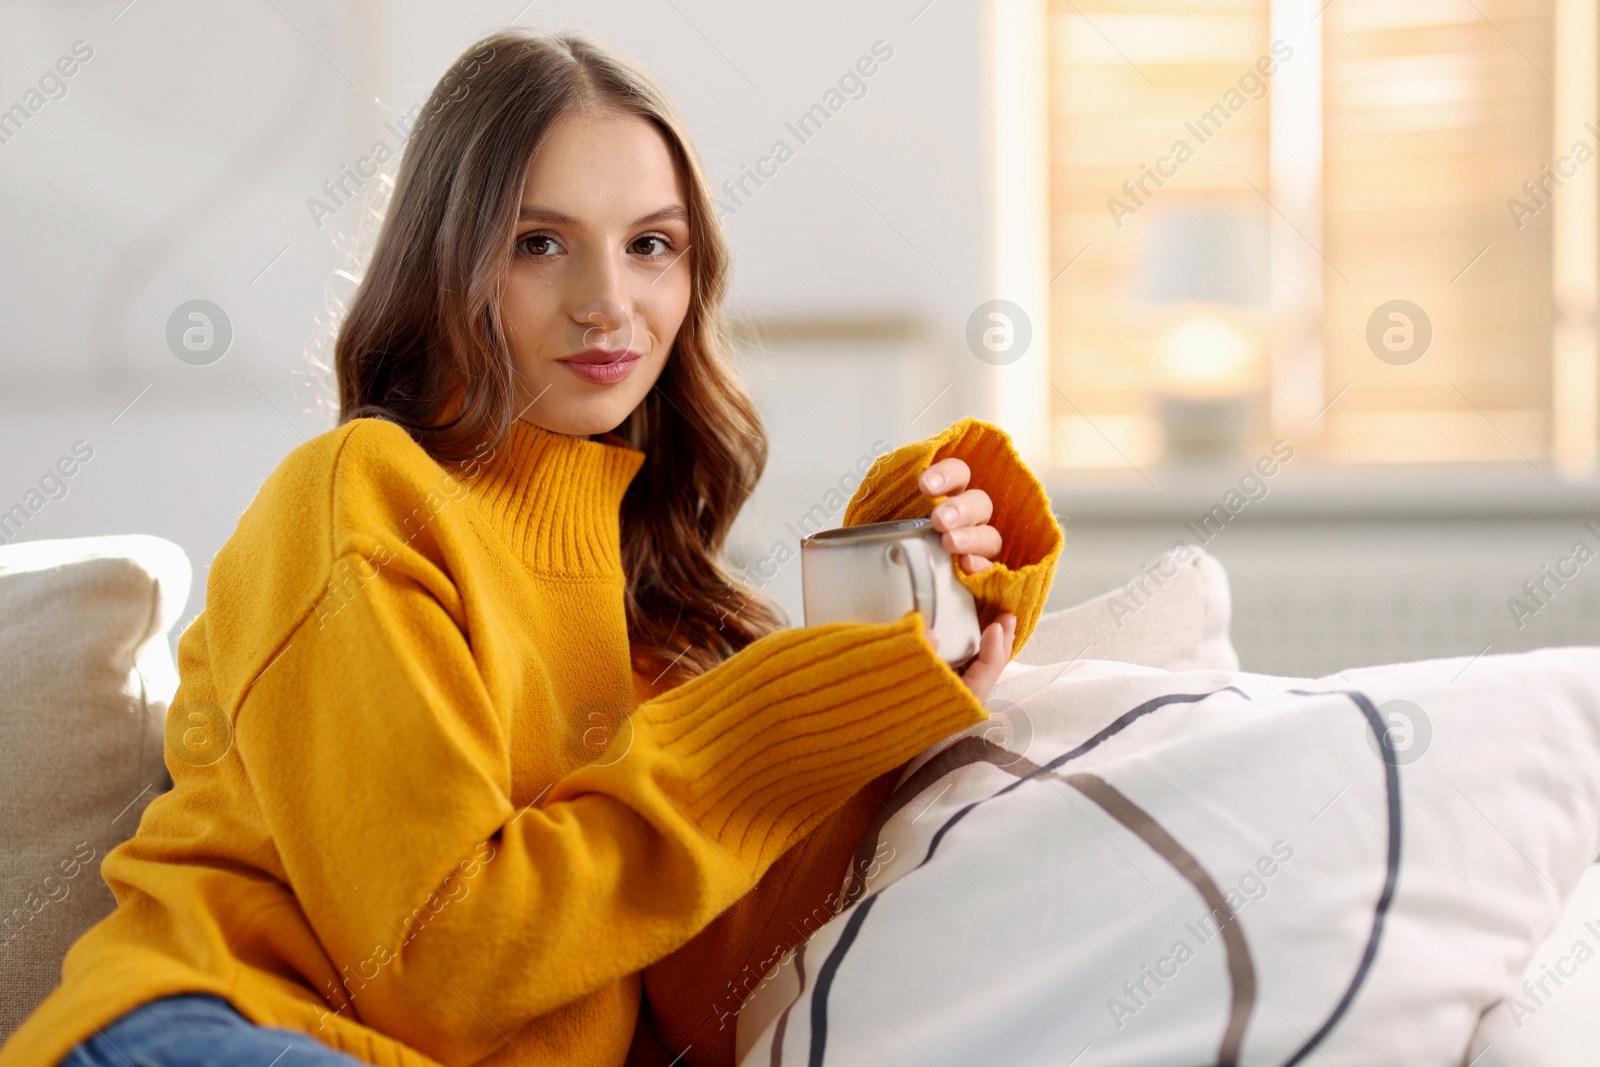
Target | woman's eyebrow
(666,214)
(534,213)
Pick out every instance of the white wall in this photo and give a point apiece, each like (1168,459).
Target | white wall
(179,162)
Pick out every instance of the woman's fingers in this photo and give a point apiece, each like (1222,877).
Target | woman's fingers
(963,516)
(944,478)
(975,540)
(963,520)
(994,652)
(971,508)
(983,672)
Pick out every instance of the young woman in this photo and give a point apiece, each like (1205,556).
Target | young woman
(477,740)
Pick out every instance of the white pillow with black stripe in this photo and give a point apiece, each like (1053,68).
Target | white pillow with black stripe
(1130,866)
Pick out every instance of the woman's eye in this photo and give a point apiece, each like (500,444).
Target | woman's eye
(538,245)
(652,245)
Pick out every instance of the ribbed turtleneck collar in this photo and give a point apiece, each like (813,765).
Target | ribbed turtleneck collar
(557,499)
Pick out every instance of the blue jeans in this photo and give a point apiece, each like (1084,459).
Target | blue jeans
(199,1030)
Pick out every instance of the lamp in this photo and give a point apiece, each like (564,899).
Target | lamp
(1208,267)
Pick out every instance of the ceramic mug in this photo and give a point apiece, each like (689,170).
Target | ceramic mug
(878,571)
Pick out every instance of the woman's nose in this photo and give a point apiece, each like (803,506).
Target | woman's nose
(603,323)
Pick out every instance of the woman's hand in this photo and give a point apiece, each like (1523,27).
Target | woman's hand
(994,652)
(963,520)
(963,517)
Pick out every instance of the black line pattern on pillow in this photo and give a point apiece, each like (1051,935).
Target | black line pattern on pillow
(1241,969)
(1391,781)
(830,966)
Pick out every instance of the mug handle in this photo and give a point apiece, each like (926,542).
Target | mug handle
(919,565)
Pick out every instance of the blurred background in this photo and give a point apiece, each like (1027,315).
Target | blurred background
(1312,284)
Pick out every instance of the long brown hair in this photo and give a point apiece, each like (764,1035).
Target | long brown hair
(423,346)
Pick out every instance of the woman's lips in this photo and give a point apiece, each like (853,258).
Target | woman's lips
(602,367)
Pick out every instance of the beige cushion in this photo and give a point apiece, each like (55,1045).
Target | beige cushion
(85,677)
(1174,614)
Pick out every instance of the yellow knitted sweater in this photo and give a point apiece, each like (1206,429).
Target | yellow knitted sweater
(417,812)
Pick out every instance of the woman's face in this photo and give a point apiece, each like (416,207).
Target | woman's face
(599,277)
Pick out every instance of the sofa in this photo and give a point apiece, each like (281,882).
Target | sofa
(87,630)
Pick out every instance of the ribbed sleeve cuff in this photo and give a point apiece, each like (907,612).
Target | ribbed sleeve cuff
(1031,538)
(770,742)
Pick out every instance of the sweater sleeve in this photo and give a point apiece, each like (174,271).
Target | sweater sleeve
(381,767)
(1031,539)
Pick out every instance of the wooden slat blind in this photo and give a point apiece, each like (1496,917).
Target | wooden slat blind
(1434,115)
(1127,81)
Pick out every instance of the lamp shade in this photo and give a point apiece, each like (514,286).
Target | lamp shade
(1211,257)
